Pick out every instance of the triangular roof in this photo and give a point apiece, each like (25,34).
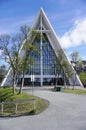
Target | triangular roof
(41,18)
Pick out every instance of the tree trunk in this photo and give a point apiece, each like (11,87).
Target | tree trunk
(74,82)
(21,86)
(64,82)
(56,82)
(14,83)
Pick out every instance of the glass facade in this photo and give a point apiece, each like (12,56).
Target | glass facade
(34,67)
(50,64)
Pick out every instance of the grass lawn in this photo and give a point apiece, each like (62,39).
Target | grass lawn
(75,91)
(24,108)
(70,90)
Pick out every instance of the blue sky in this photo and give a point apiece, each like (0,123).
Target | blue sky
(68,18)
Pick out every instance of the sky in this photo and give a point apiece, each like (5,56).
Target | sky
(67,17)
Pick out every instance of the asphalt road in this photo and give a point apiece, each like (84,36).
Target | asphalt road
(65,112)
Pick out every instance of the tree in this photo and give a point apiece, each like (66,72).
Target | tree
(74,56)
(68,72)
(24,29)
(25,62)
(11,48)
(28,47)
(76,63)
(10,53)
(82,77)
(64,67)
(76,60)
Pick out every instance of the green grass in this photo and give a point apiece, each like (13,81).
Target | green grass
(75,91)
(25,108)
(70,90)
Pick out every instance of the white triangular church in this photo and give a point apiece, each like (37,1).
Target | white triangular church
(44,67)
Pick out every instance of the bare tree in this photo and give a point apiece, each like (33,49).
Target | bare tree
(10,53)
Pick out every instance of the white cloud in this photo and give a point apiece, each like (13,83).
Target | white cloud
(76,36)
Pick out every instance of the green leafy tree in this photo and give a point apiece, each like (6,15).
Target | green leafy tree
(76,60)
(82,77)
(25,62)
(76,63)
(28,47)
(64,67)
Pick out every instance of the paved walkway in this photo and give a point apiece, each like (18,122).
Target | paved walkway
(65,112)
